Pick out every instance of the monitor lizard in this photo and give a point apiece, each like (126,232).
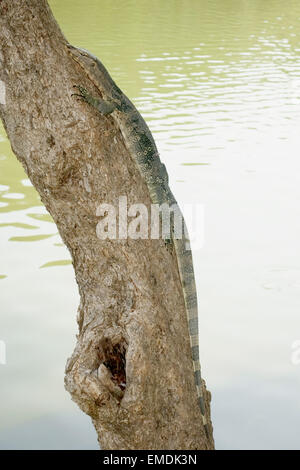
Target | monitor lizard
(138,139)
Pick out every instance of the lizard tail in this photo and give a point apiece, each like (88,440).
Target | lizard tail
(186,272)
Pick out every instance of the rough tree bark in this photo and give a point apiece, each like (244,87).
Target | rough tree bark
(131,297)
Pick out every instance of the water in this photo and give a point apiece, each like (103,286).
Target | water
(219,84)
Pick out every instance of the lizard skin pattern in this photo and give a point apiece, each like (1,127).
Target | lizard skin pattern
(140,143)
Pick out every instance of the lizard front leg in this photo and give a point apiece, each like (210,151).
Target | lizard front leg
(103,106)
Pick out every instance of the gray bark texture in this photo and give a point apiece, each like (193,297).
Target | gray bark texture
(131,317)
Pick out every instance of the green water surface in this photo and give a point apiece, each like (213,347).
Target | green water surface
(218,82)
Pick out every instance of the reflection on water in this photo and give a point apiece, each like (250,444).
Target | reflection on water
(219,85)
(16,193)
(62,262)
(18,225)
(42,217)
(34,238)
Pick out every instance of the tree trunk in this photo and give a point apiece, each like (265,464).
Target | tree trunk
(132,309)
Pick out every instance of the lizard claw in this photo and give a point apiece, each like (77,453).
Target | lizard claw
(76,94)
(82,92)
(104,107)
